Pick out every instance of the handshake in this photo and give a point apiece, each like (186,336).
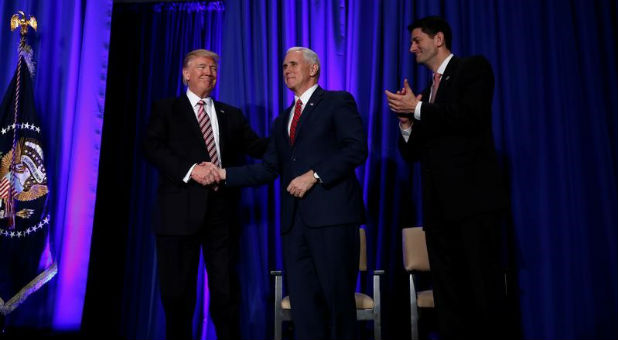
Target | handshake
(207,173)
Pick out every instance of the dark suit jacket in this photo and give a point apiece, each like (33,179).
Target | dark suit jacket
(174,142)
(330,140)
(454,142)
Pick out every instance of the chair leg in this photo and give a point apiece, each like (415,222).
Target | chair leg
(377,309)
(278,297)
(413,310)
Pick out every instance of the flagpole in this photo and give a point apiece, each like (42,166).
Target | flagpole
(23,187)
(18,20)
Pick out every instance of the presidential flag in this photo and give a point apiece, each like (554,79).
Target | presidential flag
(26,261)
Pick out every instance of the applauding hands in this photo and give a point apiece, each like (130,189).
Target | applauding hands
(403,103)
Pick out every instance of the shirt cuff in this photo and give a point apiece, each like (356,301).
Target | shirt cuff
(316,176)
(188,175)
(417,110)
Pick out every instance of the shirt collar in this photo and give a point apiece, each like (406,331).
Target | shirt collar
(442,67)
(194,99)
(306,95)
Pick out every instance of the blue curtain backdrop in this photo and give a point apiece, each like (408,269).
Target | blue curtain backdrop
(70,51)
(555,112)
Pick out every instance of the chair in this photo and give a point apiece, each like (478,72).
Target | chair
(415,260)
(367,308)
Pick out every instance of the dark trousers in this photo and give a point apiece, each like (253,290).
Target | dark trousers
(178,261)
(321,267)
(468,280)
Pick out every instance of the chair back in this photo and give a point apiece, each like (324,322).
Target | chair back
(414,249)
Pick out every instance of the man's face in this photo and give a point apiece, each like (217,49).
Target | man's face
(201,75)
(423,46)
(298,73)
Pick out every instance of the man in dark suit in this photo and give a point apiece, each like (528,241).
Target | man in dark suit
(463,200)
(315,146)
(182,134)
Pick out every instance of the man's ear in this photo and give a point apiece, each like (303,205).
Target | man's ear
(314,70)
(185,74)
(439,39)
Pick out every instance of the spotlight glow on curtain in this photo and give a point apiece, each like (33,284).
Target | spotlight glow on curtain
(79,161)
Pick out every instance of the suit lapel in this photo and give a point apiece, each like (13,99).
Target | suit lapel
(286,122)
(186,113)
(307,111)
(447,78)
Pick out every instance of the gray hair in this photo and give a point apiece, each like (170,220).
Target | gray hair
(310,56)
(198,53)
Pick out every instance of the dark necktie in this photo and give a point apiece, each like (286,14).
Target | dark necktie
(434,86)
(297,112)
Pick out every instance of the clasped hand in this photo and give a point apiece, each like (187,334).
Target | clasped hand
(299,186)
(206,173)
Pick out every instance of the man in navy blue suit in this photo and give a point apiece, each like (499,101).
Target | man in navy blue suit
(315,145)
(448,129)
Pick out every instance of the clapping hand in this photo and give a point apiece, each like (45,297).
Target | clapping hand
(403,103)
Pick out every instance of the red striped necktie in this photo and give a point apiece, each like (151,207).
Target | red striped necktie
(209,137)
(298,109)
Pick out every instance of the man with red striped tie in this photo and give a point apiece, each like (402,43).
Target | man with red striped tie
(191,215)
